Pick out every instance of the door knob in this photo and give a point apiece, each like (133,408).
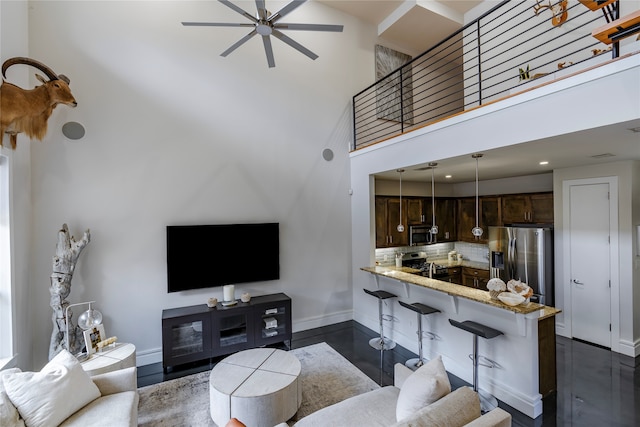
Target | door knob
(577,282)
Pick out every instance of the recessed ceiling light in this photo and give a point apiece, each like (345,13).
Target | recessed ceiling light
(544,162)
(447,176)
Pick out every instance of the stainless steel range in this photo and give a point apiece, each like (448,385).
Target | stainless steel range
(418,260)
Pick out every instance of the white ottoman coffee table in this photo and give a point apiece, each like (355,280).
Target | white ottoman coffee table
(259,387)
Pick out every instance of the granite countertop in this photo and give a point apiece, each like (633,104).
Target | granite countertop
(478,295)
(465,263)
(446,263)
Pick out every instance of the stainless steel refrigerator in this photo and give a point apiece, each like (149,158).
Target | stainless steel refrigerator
(525,254)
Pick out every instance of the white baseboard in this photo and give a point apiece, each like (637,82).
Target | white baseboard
(149,357)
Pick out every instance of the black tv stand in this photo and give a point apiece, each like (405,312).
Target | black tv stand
(197,332)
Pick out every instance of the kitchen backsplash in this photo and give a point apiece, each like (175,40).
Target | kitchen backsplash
(470,251)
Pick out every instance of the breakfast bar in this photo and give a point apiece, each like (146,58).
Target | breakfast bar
(521,374)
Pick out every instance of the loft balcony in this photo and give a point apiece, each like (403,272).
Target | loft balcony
(515,47)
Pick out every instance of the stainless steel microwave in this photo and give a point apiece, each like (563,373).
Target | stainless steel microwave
(421,235)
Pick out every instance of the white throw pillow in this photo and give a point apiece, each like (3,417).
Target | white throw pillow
(48,397)
(423,387)
(9,416)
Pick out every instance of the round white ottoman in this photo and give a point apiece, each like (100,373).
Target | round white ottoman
(259,387)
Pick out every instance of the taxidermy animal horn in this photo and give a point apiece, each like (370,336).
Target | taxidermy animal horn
(32,62)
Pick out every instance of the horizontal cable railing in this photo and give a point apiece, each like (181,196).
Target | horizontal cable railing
(515,45)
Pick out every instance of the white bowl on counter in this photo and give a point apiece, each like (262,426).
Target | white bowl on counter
(511,299)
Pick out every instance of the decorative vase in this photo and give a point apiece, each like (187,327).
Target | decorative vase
(245,297)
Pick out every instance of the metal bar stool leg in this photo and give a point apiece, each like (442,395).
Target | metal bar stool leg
(381,343)
(421,310)
(487,401)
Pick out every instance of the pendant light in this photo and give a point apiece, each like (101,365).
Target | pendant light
(477,231)
(434,227)
(400,226)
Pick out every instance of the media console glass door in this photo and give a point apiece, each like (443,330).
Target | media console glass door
(232,330)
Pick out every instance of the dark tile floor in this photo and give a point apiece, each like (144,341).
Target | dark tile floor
(595,386)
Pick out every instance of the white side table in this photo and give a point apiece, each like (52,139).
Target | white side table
(123,355)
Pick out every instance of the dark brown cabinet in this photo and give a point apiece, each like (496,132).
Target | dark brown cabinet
(198,332)
(445,218)
(527,208)
(454,275)
(387,220)
(417,211)
(475,278)
(489,213)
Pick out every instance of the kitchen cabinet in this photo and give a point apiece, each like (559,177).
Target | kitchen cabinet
(489,210)
(198,332)
(454,275)
(416,211)
(445,218)
(475,278)
(387,220)
(527,208)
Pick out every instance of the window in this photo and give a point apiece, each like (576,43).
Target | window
(6,318)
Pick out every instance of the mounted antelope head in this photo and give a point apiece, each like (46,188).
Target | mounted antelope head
(558,10)
(28,111)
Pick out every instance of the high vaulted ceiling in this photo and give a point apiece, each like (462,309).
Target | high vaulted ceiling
(414,25)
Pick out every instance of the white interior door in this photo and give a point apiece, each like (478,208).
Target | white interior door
(589,269)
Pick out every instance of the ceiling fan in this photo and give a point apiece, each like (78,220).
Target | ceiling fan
(267,24)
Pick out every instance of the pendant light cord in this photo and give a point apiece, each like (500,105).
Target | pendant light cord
(400,197)
(476,191)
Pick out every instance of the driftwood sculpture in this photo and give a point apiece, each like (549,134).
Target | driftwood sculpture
(28,111)
(64,263)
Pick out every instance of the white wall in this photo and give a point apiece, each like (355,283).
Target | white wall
(14,42)
(176,134)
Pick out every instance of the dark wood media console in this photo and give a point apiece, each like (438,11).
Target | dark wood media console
(197,332)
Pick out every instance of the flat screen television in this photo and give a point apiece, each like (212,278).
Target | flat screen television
(206,256)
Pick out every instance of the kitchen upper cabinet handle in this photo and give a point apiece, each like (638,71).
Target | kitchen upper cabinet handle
(577,282)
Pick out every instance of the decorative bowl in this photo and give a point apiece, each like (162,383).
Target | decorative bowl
(511,299)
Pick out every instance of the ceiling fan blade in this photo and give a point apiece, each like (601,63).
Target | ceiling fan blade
(239,43)
(266,40)
(310,27)
(262,9)
(286,10)
(294,44)
(239,10)
(215,24)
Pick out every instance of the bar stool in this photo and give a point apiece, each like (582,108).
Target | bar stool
(382,343)
(487,401)
(421,310)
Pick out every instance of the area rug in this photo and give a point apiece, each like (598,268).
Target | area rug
(326,377)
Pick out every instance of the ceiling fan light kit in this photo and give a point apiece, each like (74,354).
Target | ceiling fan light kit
(266,25)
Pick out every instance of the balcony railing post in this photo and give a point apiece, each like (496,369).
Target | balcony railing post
(353,123)
(401,101)
(615,49)
(479,62)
